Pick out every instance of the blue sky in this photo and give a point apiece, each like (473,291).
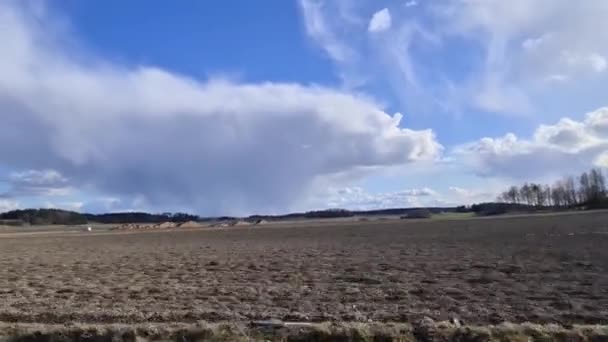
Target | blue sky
(203,39)
(235,107)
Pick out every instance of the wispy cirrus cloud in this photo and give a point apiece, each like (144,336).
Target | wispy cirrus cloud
(507,51)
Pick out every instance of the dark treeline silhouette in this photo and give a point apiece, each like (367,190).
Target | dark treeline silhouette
(43,216)
(338,213)
(499,208)
(585,191)
(58,216)
(140,217)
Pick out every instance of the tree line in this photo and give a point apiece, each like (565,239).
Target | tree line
(58,216)
(65,217)
(42,217)
(586,190)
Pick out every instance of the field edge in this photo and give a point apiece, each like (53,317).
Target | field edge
(280,331)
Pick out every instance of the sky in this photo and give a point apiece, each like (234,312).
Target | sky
(241,107)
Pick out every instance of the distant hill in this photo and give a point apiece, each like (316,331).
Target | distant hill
(58,216)
(337,213)
(43,217)
(140,217)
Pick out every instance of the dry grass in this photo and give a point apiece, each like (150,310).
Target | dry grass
(364,332)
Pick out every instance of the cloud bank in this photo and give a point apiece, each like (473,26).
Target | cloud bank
(142,132)
(565,147)
(37,183)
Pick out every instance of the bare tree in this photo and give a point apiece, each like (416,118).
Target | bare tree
(558,194)
(513,194)
(537,198)
(591,189)
(597,191)
(570,193)
(547,198)
(585,192)
(526,194)
(503,197)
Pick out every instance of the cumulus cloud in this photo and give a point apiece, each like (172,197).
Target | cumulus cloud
(562,148)
(601,160)
(141,132)
(357,198)
(419,192)
(8,205)
(592,61)
(380,21)
(466,196)
(598,62)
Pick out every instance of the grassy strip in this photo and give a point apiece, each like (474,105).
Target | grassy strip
(179,332)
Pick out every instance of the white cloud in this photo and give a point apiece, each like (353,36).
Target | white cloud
(72,206)
(8,205)
(557,78)
(534,43)
(508,50)
(460,191)
(146,133)
(497,25)
(493,96)
(464,196)
(419,192)
(601,160)
(356,198)
(376,59)
(37,178)
(411,3)
(37,183)
(562,148)
(567,135)
(319,29)
(110,205)
(593,61)
(598,62)
(380,21)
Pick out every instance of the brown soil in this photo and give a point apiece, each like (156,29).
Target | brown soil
(540,269)
(190,224)
(149,226)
